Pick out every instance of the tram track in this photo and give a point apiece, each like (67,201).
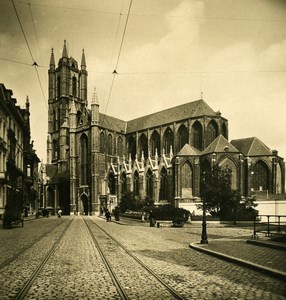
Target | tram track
(22,293)
(9,260)
(109,244)
(20,271)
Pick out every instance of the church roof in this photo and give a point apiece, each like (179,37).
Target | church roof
(188,150)
(220,145)
(251,146)
(112,123)
(185,111)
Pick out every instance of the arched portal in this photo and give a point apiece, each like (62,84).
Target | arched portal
(84,204)
(51,197)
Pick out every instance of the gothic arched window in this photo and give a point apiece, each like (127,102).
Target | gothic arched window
(168,140)
(212,132)
(102,142)
(260,176)
(228,163)
(123,184)
(120,146)
(164,191)
(187,176)
(155,143)
(55,120)
(136,183)
(58,86)
(109,144)
(143,145)
(84,159)
(74,84)
(132,147)
(224,130)
(149,184)
(183,137)
(55,149)
(197,136)
(111,183)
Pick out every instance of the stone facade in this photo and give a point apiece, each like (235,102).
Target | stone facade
(18,159)
(93,158)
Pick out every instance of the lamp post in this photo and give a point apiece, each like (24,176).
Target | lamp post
(204,237)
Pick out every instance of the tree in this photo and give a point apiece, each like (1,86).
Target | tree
(220,200)
(132,202)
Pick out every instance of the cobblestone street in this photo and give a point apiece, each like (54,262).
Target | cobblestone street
(75,269)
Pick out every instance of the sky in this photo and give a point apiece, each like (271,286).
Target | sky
(166,52)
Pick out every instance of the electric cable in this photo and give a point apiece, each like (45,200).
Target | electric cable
(114,45)
(34,62)
(114,73)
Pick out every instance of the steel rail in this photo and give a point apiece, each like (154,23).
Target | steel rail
(168,287)
(15,256)
(24,290)
(121,291)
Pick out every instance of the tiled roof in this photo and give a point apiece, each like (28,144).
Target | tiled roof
(188,150)
(185,111)
(251,147)
(112,123)
(220,145)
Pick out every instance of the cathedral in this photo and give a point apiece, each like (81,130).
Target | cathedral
(93,158)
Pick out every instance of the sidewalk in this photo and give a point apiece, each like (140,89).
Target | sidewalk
(263,254)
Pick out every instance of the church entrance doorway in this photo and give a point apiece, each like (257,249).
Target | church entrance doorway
(84,201)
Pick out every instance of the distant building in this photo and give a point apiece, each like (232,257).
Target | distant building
(93,158)
(18,159)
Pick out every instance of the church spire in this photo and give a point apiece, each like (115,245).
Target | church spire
(52,60)
(65,52)
(83,63)
(27,104)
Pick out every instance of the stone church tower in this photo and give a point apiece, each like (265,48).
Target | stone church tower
(67,109)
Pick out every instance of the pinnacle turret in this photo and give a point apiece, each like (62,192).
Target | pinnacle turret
(83,63)
(94,97)
(52,60)
(27,104)
(65,52)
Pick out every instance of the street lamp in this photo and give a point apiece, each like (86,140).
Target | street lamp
(204,239)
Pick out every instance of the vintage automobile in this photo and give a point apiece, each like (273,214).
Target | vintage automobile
(12,216)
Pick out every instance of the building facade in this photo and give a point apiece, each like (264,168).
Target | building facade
(18,159)
(94,159)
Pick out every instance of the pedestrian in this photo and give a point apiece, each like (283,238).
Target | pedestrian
(59,213)
(152,219)
(108,216)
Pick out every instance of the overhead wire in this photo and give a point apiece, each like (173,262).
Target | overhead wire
(158,15)
(35,31)
(15,61)
(36,35)
(114,73)
(27,43)
(114,46)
